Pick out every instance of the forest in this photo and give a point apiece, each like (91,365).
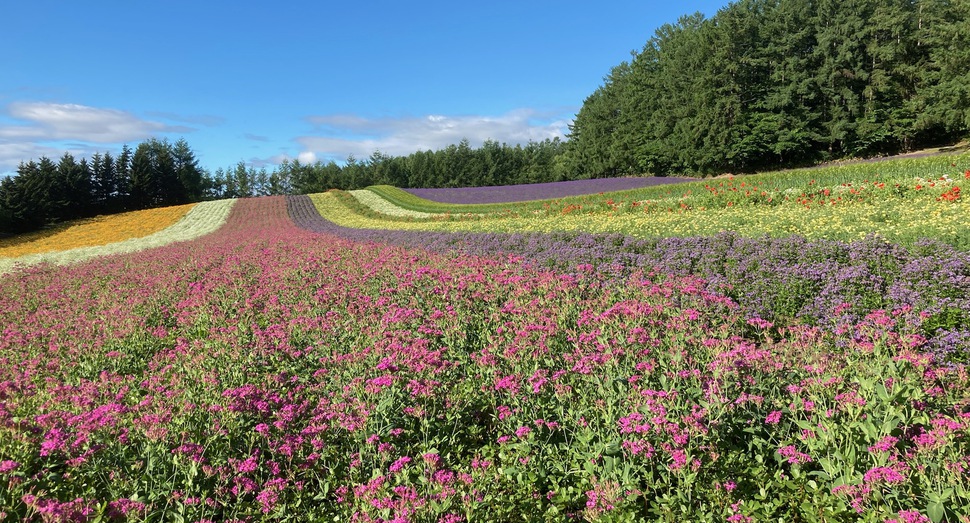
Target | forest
(156,174)
(777,83)
(763,84)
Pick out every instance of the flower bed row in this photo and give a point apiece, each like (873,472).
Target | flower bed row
(898,218)
(93,232)
(540,191)
(382,206)
(939,178)
(203,218)
(270,372)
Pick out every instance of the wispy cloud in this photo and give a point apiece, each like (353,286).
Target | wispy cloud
(11,154)
(338,136)
(255,137)
(207,120)
(34,129)
(50,121)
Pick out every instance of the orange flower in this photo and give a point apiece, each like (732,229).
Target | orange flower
(100,230)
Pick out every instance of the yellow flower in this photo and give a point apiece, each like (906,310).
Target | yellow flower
(100,230)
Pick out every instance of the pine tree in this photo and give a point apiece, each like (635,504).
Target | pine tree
(187,172)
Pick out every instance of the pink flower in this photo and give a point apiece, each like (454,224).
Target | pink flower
(760,323)
(121,508)
(398,465)
(432,459)
(773,418)
(909,516)
(249,465)
(886,444)
(8,465)
(522,431)
(883,475)
(793,456)
(267,498)
(679,458)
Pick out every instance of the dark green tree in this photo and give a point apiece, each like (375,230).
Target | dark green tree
(188,173)
(154,180)
(123,179)
(70,194)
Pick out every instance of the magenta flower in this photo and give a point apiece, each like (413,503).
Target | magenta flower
(885,444)
(909,516)
(884,475)
(398,465)
(793,456)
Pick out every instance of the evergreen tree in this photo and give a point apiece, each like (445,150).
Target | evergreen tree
(154,180)
(768,83)
(104,183)
(188,173)
(123,198)
(25,197)
(70,191)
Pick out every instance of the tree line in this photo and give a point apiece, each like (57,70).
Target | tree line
(156,174)
(772,83)
(458,165)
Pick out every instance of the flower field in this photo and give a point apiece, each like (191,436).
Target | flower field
(93,232)
(101,238)
(538,191)
(321,359)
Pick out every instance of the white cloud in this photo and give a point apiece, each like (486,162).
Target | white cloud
(11,154)
(35,129)
(339,136)
(52,121)
(307,157)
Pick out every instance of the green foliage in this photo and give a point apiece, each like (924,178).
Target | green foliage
(765,84)
(454,166)
(156,174)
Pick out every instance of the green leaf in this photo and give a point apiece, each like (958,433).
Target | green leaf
(881,391)
(936,511)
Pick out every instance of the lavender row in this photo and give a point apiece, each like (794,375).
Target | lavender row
(539,191)
(821,282)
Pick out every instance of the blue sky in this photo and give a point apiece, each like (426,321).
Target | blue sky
(262,81)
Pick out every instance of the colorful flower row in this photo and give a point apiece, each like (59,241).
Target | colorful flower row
(919,179)
(101,230)
(199,220)
(540,191)
(381,206)
(896,219)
